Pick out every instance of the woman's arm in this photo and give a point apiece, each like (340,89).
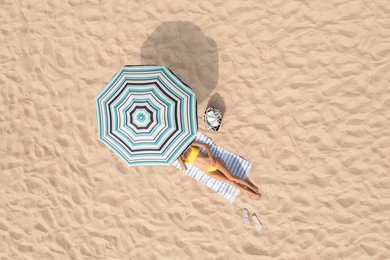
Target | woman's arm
(205,146)
(182,164)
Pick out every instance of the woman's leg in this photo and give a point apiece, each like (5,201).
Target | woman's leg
(221,177)
(221,167)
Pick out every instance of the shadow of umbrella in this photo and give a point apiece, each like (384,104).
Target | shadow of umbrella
(187,51)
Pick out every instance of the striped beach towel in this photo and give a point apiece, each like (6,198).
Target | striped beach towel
(236,164)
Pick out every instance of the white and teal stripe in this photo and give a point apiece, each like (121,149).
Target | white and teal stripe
(147,115)
(236,164)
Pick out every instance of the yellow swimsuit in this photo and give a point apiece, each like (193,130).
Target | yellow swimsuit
(191,158)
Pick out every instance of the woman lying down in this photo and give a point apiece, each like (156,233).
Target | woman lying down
(215,168)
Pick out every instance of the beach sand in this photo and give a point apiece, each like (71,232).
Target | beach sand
(305,90)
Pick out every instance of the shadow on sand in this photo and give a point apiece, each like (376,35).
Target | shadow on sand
(188,52)
(217,101)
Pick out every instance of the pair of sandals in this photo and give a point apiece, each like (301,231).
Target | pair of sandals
(256,221)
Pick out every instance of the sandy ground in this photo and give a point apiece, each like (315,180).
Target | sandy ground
(306,94)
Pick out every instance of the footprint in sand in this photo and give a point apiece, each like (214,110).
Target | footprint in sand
(290,161)
(61,61)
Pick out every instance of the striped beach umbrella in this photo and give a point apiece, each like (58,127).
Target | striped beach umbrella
(147,115)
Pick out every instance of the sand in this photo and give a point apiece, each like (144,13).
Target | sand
(305,90)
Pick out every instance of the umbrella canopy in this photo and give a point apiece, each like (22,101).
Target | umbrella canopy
(147,115)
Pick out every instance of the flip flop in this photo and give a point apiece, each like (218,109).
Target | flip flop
(257,222)
(245,216)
